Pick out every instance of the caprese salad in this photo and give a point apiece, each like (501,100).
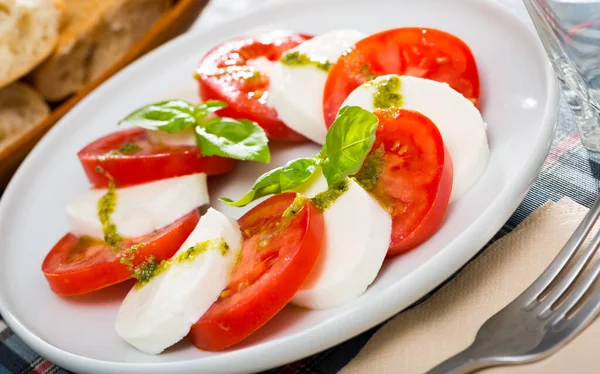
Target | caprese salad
(397,116)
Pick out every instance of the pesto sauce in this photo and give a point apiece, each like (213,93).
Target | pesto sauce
(324,199)
(147,270)
(200,248)
(253,75)
(296,58)
(266,234)
(367,74)
(388,93)
(295,207)
(129,149)
(150,268)
(235,71)
(370,173)
(106,207)
(127,257)
(78,251)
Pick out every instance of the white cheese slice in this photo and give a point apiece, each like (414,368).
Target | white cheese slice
(296,92)
(140,209)
(357,236)
(161,312)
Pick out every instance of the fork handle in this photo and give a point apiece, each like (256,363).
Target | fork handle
(463,362)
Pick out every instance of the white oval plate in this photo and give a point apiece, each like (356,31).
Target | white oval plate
(519,104)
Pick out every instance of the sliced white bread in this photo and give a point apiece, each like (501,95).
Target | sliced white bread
(94,35)
(28,33)
(21,108)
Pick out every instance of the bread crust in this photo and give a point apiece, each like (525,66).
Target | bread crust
(29,34)
(94,35)
(21,108)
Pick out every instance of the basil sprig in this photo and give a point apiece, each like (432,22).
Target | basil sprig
(278,180)
(238,139)
(348,142)
(215,136)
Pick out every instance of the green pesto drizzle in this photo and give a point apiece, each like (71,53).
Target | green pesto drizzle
(129,149)
(295,207)
(147,270)
(370,173)
(126,149)
(106,207)
(77,253)
(296,58)
(252,75)
(367,74)
(266,234)
(388,93)
(150,268)
(127,257)
(324,199)
(200,248)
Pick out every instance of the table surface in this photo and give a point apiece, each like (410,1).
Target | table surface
(568,171)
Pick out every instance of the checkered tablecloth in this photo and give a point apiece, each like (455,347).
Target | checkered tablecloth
(569,171)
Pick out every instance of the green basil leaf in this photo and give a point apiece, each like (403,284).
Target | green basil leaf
(348,141)
(278,180)
(296,172)
(266,184)
(201,111)
(237,139)
(170,116)
(213,105)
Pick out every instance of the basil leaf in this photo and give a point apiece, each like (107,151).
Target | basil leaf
(170,116)
(201,111)
(278,180)
(237,139)
(296,172)
(213,105)
(348,141)
(266,184)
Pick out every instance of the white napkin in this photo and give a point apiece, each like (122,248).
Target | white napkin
(420,338)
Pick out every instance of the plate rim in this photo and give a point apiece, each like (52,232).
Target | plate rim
(513,194)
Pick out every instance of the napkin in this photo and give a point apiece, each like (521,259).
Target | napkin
(420,338)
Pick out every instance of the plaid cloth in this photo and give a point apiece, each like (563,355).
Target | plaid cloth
(568,171)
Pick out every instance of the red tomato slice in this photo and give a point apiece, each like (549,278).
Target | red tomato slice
(149,162)
(420,52)
(416,178)
(277,256)
(228,73)
(77,265)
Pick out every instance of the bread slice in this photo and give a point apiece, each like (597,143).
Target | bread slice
(20,109)
(28,33)
(94,35)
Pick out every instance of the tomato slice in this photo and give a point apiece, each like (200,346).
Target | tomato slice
(234,72)
(415,51)
(78,265)
(277,256)
(144,161)
(416,176)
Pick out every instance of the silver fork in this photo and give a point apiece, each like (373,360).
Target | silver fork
(543,318)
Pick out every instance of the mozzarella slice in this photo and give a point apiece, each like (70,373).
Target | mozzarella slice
(185,137)
(296,92)
(357,236)
(161,312)
(458,120)
(139,210)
